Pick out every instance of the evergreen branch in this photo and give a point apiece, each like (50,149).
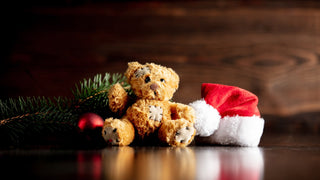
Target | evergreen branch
(98,85)
(92,96)
(4,121)
(32,116)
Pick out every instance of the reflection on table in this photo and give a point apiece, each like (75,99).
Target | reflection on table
(172,163)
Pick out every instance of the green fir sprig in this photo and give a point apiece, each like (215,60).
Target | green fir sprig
(25,117)
(92,95)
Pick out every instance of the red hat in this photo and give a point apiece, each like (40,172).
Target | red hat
(229,115)
(230,100)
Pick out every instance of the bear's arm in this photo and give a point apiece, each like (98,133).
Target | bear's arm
(118,98)
(182,111)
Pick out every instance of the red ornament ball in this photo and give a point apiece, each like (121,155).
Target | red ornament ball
(90,121)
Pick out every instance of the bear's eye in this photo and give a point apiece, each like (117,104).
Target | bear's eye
(162,80)
(147,79)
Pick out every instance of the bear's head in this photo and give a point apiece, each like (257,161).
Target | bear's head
(151,81)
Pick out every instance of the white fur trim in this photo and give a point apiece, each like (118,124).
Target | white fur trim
(207,118)
(239,130)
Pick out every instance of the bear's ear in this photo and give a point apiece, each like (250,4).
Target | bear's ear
(132,68)
(174,77)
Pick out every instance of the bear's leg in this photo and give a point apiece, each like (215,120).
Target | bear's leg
(179,132)
(118,131)
(182,111)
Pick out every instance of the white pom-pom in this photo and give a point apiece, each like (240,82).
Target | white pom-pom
(239,130)
(207,118)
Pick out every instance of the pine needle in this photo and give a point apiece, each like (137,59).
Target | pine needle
(39,115)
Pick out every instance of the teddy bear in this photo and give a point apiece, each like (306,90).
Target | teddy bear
(152,114)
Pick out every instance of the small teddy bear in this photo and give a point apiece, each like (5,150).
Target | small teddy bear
(152,113)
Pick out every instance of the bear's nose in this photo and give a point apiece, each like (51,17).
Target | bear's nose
(154,86)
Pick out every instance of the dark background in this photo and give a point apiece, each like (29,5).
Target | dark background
(271,48)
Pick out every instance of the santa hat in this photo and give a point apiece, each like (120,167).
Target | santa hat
(229,115)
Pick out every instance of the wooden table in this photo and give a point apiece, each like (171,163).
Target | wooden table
(278,157)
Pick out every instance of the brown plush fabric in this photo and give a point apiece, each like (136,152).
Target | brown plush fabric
(154,86)
(118,132)
(118,98)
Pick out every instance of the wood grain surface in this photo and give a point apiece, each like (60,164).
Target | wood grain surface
(269,48)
